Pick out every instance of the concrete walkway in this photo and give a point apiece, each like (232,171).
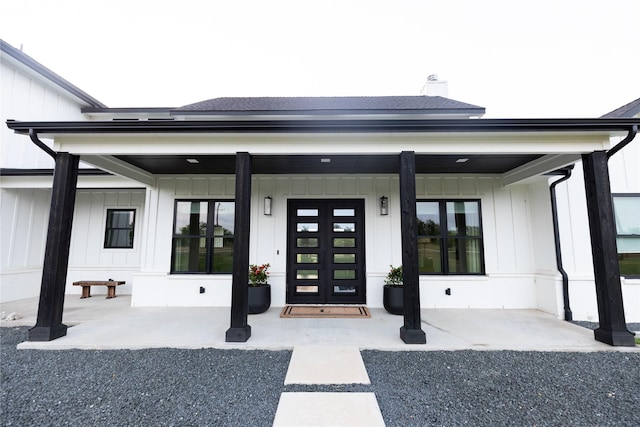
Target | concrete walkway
(327,365)
(99,323)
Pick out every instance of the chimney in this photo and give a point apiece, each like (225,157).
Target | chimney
(435,87)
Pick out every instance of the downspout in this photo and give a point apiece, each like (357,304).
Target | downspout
(568,316)
(632,134)
(34,137)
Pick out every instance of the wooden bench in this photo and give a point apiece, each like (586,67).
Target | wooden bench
(110,284)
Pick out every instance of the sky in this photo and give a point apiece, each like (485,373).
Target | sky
(543,58)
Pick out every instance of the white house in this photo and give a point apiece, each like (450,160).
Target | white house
(329,191)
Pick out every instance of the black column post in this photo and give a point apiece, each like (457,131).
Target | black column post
(56,257)
(240,331)
(613,328)
(411,332)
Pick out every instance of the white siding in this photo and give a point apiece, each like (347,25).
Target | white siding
(25,214)
(513,236)
(88,259)
(25,99)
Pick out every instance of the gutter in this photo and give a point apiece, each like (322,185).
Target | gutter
(326,125)
(568,316)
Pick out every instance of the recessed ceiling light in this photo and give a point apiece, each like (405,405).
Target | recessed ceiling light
(325,160)
(193,161)
(462,160)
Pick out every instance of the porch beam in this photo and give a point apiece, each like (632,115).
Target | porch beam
(545,164)
(240,331)
(411,332)
(56,257)
(613,327)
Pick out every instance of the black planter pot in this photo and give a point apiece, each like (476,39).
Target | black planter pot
(393,299)
(259,299)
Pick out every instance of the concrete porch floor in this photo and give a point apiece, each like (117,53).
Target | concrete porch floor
(99,323)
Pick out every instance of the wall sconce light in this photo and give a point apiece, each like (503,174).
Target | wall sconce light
(384,205)
(267,205)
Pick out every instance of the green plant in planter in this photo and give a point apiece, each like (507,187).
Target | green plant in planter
(394,277)
(258,274)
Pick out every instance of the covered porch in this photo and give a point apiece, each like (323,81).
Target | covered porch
(513,150)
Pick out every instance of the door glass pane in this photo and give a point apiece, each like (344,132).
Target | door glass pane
(307,258)
(344,258)
(310,227)
(344,242)
(344,274)
(191,218)
(344,289)
(429,260)
(307,274)
(463,218)
(344,212)
(428,218)
(464,255)
(349,227)
(307,212)
(307,242)
(307,289)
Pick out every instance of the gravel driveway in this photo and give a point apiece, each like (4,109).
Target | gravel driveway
(208,387)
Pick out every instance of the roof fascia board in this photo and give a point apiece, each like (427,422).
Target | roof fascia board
(40,70)
(337,143)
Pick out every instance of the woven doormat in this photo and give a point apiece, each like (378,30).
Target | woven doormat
(343,311)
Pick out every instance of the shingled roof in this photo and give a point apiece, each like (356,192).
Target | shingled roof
(328,105)
(629,110)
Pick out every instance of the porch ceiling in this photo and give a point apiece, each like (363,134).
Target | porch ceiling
(318,164)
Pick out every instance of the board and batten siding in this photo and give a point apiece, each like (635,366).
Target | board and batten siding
(88,258)
(512,234)
(25,215)
(28,99)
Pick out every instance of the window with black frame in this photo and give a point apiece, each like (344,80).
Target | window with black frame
(449,237)
(119,228)
(627,214)
(203,236)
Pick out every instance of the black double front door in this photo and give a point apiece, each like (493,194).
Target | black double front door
(325,255)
